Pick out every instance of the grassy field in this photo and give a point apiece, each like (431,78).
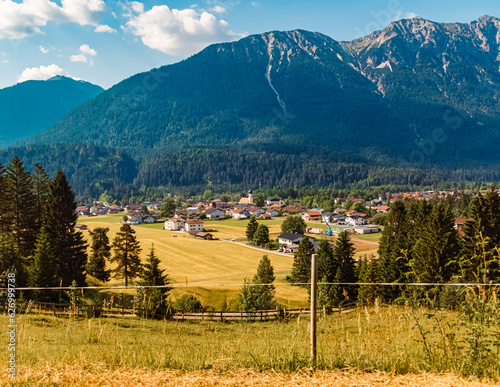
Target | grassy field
(205,262)
(382,339)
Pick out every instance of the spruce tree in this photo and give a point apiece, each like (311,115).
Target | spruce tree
(126,254)
(3,201)
(343,256)
(100,253)
(43,270)
(41,181)
(265,293)
(368,273)
(251,228)
(152,300)
(59,220)
(20,208)
(393,248)
(261,236)
(301,269)
(327,269)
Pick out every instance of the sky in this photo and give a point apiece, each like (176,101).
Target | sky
(104,41)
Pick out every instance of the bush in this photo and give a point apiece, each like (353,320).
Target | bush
(188,304)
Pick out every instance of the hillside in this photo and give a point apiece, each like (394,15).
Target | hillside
(414,103)
(32,106)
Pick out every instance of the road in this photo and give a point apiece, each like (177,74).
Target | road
(258,248)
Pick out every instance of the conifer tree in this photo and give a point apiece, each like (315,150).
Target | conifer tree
(393,245)
(100,253)
(251,228)
(3,201)
(436,248)
(43,270)
(126,254)
(327,269)
(265,275)
(368,273)
(20,208)
(261,236)
(343,256)
(41,183)
(59,220)
(301,269)
(152,300)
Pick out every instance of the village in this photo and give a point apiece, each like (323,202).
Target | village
(189,218)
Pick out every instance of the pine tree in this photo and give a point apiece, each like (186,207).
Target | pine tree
(59,221)
(301,269)
(368,273)
(100,253)
(436,248)
(393,247)
(20,209)
(126,254)
(43,271)
(265,293)
(3,201)
(41,183)
(261,236)
(251,228)
(343,256)
(152,300)
(327,269)
(253,295)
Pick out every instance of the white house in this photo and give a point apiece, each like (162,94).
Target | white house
(174,224)
(271,201)
(214,213)
(194,225)
(289,239)
(240,213)
(273,213)
(354,220)
(255,211)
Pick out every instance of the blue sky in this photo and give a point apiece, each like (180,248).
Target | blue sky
(104,41)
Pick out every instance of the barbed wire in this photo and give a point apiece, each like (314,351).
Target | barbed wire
(181,285)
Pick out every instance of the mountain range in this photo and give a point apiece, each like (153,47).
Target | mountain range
(418,94)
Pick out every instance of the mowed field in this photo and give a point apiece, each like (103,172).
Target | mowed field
(208,263)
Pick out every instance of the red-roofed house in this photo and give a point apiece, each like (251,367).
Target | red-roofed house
(310,216)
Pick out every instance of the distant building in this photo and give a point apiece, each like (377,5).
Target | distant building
(194,225)
(214,213)
(174,224)
(271,201)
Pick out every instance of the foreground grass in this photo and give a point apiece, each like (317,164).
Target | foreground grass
(96,375)
(382,340)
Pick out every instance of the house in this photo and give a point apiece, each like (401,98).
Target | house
(294,209)
(194,225)
(181,214)
(311,216)
(276,207)
(354,220)
(249,199)
(174,224)
(133,207)
(113,211)
(383,209)
(269,202)
(240,213)
(255,211)
(82,210)
(81,227)
(339,219)
(459,224)
(202,235)
(289,239)
(135,218)
(265,216)
(97,210)
(368,229)
(214,213)
(155,205)
(272,213)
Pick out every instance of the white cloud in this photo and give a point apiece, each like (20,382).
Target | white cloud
(78,58)
(44,50)
(218,9)
(85,52)
(408,15)
(177,32)
(19,20)
(104,28)
(41,73)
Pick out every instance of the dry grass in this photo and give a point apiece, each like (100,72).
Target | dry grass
(97,375)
